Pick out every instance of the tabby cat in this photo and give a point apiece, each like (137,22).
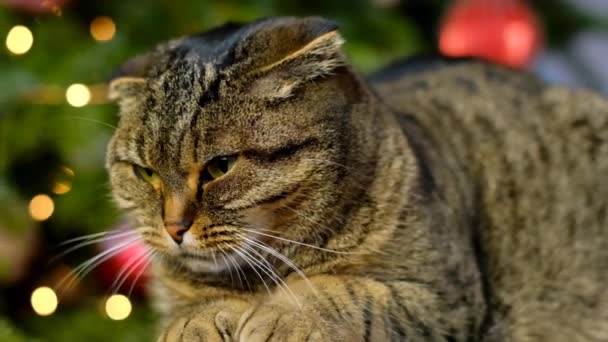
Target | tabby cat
(288,198)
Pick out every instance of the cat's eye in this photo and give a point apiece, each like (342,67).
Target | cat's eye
(147,175)
(218,167)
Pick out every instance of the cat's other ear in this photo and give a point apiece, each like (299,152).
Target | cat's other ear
(128,82)
(286,52)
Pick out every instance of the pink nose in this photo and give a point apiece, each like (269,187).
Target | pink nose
(177,230)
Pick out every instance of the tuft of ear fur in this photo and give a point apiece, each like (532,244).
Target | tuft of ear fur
(128,81)
(284,53)
(125,87)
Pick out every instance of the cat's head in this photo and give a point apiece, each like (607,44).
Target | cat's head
(242,129)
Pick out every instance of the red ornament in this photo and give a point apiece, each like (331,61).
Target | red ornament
(36,6)
(125,270)
(503,31)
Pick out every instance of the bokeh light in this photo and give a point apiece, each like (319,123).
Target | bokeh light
(102,29)
(68,171)
(118,307)
(19,40)
(62,187)
(44,301)
(78,95)
(41,207)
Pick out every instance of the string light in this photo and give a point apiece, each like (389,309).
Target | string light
(102,29)
(78,95)
(41,207)
(118,307)
(19,40)
(44,301)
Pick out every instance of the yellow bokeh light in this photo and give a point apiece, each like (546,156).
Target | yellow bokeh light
(61,188)
(41,207)
(78,95)
(68,171)
(44,301)
(118,307)
(102,28)
(19,40)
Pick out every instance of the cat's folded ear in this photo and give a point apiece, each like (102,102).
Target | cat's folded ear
(283,53)
(128,81)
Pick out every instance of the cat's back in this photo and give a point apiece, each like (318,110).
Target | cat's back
(535,159)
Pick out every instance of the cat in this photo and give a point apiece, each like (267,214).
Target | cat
(288,198)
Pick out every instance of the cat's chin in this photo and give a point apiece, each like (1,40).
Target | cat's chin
(204,266)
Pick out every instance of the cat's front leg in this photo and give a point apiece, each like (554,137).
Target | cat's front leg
(282,322)
(213,321)
(350,308)
(320,309)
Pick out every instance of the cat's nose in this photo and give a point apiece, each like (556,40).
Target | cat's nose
(177,230)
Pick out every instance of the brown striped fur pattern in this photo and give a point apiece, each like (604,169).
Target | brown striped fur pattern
(440,202)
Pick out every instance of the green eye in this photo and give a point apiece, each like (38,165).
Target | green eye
(147,175)
(218,167)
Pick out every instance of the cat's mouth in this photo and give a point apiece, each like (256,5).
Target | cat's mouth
(218,248)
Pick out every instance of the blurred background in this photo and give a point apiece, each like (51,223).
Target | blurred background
(55,120)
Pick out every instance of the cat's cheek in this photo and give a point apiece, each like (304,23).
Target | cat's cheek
(259,218)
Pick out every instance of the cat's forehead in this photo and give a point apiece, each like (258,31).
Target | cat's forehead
(211,48)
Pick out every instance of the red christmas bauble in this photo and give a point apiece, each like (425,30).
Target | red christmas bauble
(503,31)
(126,268)
(37,6)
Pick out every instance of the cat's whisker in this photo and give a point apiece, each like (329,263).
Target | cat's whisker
(283,258)
(89,265)
(327,162)
(84,268)
(214,259)
(244,257)
(239,270)
(225,260)
(126,270)
(292,265)
(274,276)
(300,214)
(271,231)
(101,235)
(84,237)
(255,231)
(306,217)
(91,241)
(83,118)
(141,272)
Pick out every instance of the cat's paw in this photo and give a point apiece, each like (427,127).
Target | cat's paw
(193,327)
(210,323)
(276,323)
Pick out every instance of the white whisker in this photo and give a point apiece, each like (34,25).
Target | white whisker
(270,231)
(297,242)
(91,242)
(278,280)
(239,270)
(84,268)
(283,258)
(142,271)
(214,260)
(225,260)
(327,162)
(143,257)
(244,257)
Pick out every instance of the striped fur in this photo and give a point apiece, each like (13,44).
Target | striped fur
(440,202)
